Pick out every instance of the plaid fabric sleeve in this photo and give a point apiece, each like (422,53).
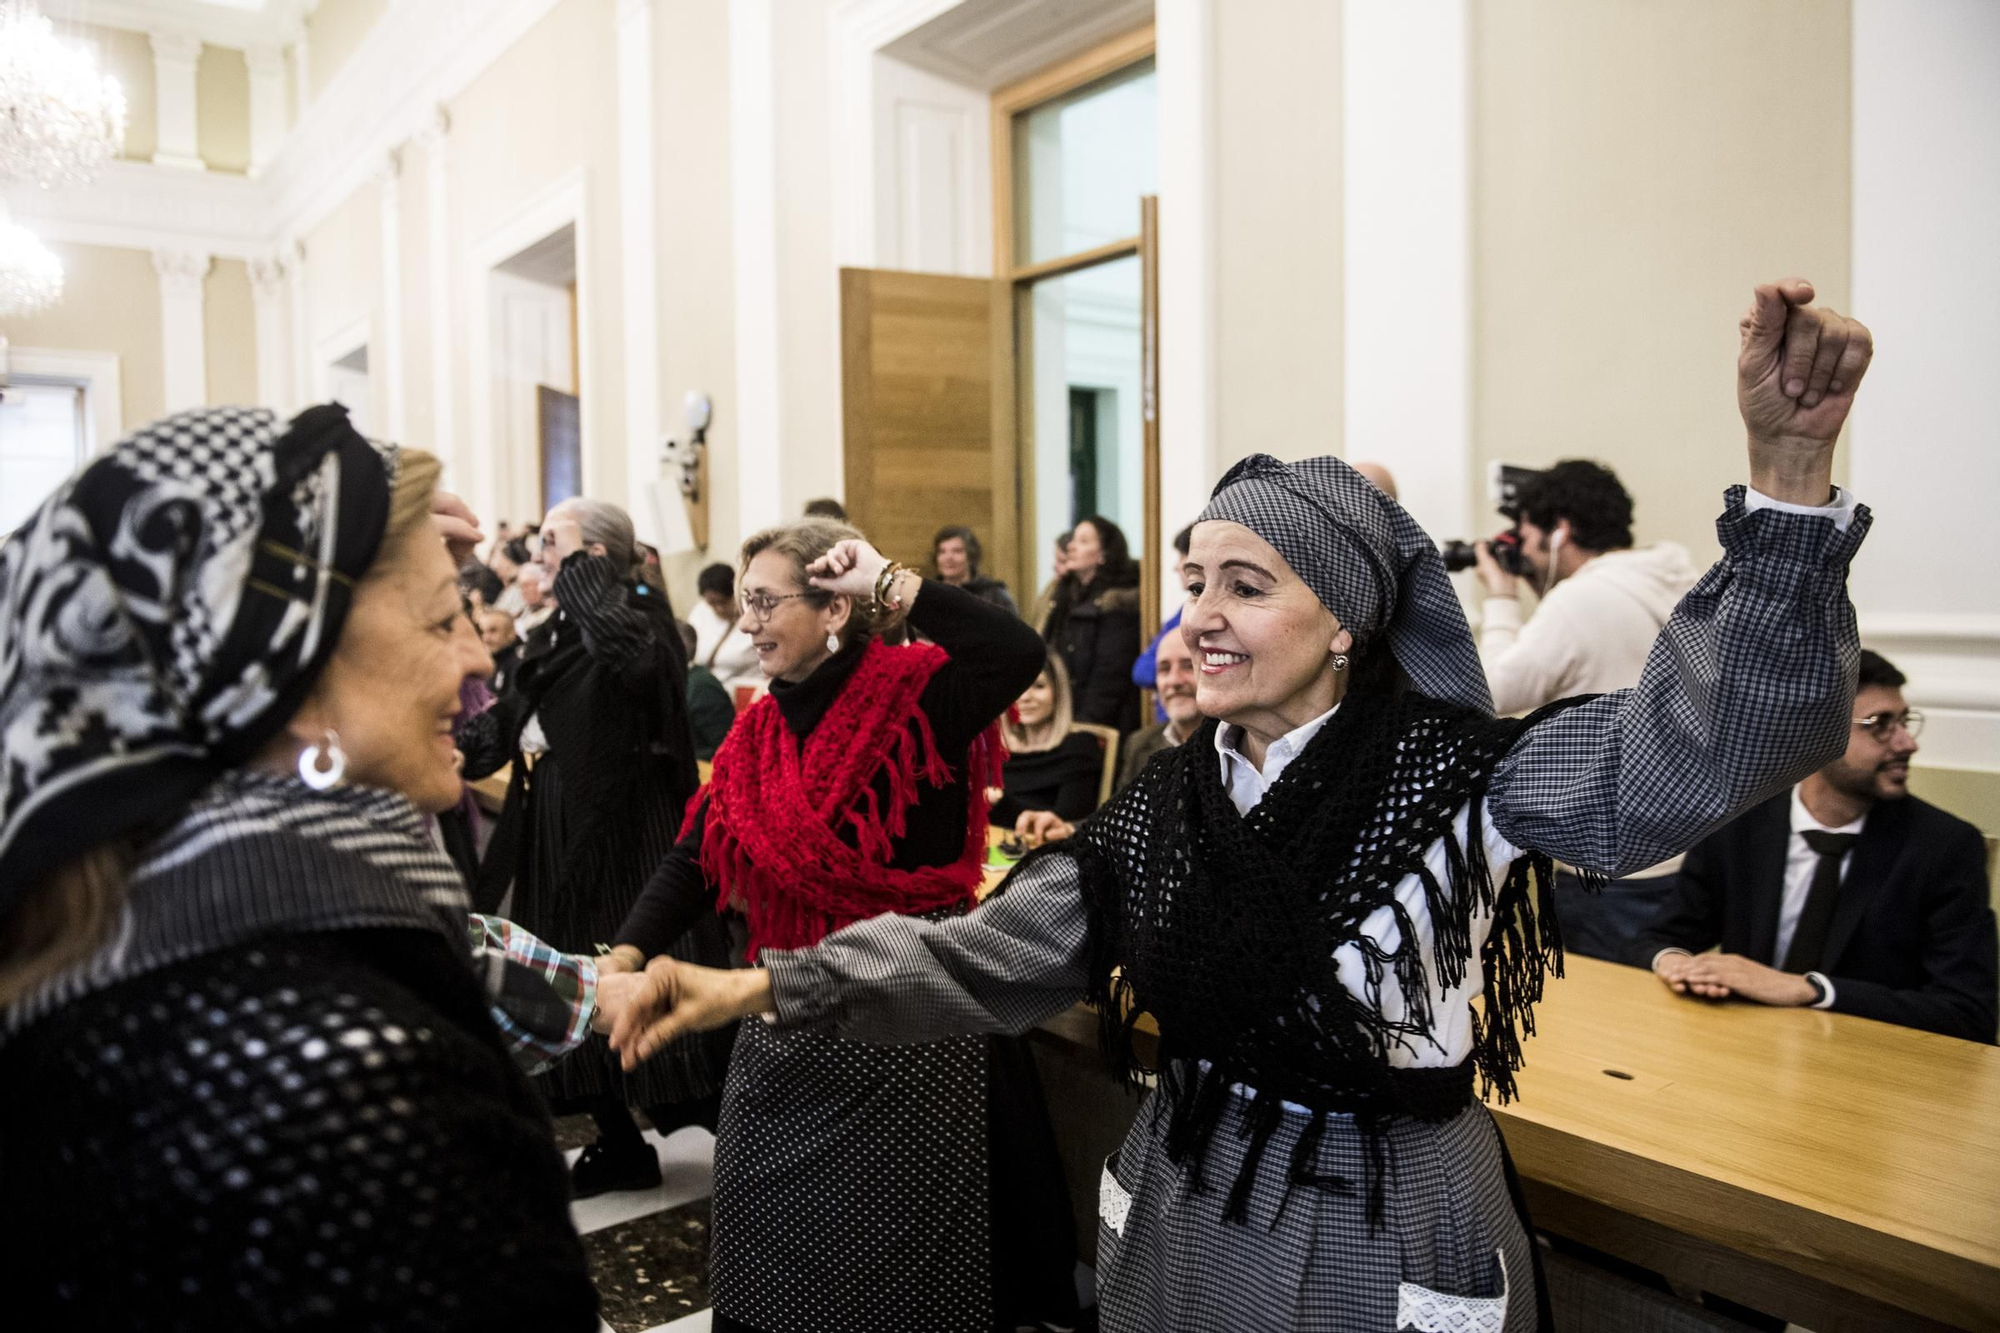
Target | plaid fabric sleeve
(541,997)
(893,980)
(1748,688)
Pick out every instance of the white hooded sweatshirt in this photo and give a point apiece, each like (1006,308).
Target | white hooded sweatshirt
(1590,635)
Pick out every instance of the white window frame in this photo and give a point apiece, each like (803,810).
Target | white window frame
(96,373)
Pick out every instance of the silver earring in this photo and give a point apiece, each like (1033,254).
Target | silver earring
(310,773)
(833,643)
(1340,661)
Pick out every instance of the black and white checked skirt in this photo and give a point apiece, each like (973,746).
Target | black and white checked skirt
(1451,1253)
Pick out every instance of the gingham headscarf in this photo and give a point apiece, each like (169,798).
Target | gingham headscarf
(1366,559)
(165,612)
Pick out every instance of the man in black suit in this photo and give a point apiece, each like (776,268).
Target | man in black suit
(1845,893)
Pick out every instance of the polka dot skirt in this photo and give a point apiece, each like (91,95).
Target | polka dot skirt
(851,1186)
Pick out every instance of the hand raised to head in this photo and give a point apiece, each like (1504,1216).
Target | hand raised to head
(1797,371)
(850,568)
(457,524)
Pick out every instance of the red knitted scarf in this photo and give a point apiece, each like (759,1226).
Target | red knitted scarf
(776,809)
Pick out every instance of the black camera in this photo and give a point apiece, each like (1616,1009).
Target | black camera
(1506,550)
(1505,488)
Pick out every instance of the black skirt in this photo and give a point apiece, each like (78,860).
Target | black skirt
(575,898)
(887,1188)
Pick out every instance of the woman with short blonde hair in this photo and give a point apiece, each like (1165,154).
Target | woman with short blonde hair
(249,1072)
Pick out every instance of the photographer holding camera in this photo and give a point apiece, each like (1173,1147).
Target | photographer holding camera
(1602,605)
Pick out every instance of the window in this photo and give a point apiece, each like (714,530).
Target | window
(43,441)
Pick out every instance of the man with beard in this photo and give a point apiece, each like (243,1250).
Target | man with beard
(1845,893)
(1174,679)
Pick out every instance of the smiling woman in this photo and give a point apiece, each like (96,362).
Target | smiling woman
(1330,899)
(236,991)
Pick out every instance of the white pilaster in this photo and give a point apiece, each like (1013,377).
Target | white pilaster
(1185,59)
(274,369)
(304,390)
(1926,277)
(1407,239)
(434,140)
(639,287)
(301,73)
(175,57)
(753,180)
(389,189)
(267,104)
(183,338)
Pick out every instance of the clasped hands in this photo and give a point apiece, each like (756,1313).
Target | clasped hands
(641,1011)
(1718,976)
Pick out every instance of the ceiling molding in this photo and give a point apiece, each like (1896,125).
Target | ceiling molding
(139,206)
(990,43)
(416,58)
(276,22)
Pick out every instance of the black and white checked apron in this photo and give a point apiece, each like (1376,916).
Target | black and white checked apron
(1451,1254)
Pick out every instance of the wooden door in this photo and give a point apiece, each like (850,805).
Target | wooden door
(927,384)
(559,424)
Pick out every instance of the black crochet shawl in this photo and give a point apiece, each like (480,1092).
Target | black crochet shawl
(1224,927)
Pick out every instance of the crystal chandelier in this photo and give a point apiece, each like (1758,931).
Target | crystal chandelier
(59,118)
(31,277)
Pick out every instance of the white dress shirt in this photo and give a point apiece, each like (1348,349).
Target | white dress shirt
(723,648)
(1801,862)
(1449,1041)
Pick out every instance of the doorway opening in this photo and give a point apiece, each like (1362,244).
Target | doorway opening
(535,363)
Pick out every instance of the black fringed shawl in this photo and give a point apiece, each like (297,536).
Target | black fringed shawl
(1224,928)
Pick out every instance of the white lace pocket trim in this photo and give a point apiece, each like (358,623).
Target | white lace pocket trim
(1113,1203)
(1426,1311)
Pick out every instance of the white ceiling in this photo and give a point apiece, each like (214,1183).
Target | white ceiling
(988,43)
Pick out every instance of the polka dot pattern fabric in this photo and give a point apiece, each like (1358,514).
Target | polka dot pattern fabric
(851,1186)
(269,1138)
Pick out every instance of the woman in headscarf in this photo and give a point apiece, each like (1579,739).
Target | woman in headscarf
(595,724)
(250,1073)
(914,1190)
(1309,895)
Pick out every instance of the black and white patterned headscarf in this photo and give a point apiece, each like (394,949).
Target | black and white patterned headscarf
(165,612)
(1366,559)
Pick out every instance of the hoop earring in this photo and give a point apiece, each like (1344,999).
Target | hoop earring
(310,773)
(832,643)
(1340,661)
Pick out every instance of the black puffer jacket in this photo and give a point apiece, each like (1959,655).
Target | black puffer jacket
(1095,627)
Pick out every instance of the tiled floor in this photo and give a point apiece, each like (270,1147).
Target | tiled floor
(649,1248)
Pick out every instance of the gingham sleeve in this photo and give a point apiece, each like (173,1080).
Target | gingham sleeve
(1748,688)
(540,997)
(896,980)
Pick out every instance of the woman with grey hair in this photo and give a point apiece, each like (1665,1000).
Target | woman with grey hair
(1311,894)
(594,721)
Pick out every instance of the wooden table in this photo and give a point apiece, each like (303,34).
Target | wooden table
(1841,1173)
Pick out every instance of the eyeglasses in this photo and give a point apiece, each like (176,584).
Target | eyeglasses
(1882,726)
(760,606)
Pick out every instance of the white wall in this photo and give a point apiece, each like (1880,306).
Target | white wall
(1927,281)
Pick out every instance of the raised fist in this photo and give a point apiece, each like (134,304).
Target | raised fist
(1795,380)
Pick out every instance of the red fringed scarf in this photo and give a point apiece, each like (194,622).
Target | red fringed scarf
(775,809)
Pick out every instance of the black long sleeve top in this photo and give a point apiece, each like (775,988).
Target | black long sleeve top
(995,656)
(1064,779)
